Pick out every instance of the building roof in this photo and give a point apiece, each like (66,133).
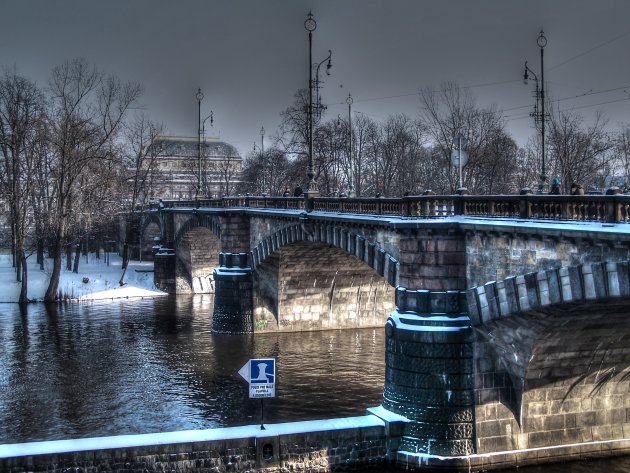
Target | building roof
(187,147)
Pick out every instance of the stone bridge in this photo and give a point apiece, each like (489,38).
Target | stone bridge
(506,322)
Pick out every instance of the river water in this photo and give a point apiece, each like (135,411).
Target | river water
(152,365)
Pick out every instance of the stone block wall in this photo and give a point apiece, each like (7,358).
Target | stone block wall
(572,386)
(235,233)
(350,449)
(433,261)
(265,281)
(314,286)
(197,257)
(494,257)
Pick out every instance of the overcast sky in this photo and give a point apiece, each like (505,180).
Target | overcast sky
(250,56)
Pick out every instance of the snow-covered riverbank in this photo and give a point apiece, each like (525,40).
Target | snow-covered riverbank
(102,280)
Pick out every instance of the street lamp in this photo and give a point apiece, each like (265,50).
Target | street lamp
(199,99)
(318,100)
(540,96)
(310,24)
(201,131)
(203,141)
(350,173)
(262,155)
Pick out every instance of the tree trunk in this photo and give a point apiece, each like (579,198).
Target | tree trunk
(125,255)
(17,256)
(40,253)
(77,257)
(68,258)
(53,285)
(13,248)
(121,281)
(24,287)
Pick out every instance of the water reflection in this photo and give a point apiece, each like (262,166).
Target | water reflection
(151,365)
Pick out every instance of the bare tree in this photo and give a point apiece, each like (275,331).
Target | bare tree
(452,110)
(268,173)
(622,154)
(21,112)
(396,158)
(86,112)
(364,132)
(292,134)
(527,166)
(139,174)
(578,153)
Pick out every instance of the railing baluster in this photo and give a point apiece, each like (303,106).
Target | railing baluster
(600,208)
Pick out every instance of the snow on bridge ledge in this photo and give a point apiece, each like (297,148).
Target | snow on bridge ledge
(191,436)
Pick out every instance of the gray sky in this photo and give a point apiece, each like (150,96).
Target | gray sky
(250,56)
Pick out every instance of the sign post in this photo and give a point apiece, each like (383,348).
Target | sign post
(260,373)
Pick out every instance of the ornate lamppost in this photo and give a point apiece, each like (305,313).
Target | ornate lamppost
(262,156)
(310,24)
(199,99)
(350,170)
(540,117)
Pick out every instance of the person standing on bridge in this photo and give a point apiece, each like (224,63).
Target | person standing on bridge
(555,186)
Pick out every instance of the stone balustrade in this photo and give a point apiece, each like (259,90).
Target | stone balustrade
(601,208)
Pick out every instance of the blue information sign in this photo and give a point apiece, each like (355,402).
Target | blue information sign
(260,373)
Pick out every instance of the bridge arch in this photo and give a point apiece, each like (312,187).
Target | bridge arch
(312,281)
(551,356)
(355,244)
(151,233)
(557,372)
(197,248)
(210,222)
(150,218)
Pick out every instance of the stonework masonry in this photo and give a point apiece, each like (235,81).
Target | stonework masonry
(350,449)
(433,260)
(313,286)
(197,255)
(535,390)
(235,232)
(492,256)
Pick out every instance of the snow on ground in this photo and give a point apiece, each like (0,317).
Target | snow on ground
(102,279)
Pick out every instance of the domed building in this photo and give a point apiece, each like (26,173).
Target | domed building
(180,164)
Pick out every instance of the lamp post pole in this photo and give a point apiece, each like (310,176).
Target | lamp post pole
(540,116)
(350,173)
(310,24)
(542,42)
(199,99)
(262,154)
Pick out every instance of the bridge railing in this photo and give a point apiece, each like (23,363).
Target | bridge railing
(599,208)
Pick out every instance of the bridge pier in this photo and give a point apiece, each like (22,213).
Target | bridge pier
(429,375)
(233,303)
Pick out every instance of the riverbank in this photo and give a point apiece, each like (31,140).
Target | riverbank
(96,279)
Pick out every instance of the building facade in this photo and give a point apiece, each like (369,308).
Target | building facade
(186,168)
